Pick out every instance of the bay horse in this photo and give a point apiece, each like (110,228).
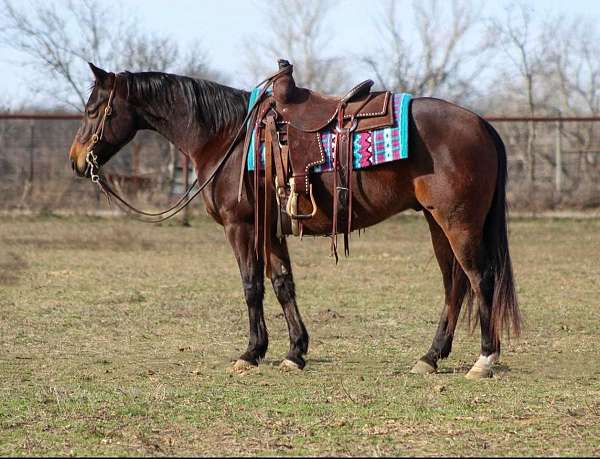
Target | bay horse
(455,174)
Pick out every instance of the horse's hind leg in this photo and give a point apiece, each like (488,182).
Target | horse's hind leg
(240,236)
(283,284)
(455,287)
(469,248)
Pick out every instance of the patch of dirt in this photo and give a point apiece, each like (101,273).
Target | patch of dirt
(12,266)
(328,314)
(115,238)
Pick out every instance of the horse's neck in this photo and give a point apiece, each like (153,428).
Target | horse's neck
(181,124)
(192,140)
(188,139)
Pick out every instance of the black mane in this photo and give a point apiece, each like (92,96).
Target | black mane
(214,106)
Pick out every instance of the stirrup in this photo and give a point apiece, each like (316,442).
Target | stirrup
(292,207)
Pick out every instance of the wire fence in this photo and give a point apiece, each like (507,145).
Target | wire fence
(553,163)
(35,173)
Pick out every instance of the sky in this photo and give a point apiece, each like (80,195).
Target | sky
(222,26)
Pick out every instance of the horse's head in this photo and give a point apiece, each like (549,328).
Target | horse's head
(109,122)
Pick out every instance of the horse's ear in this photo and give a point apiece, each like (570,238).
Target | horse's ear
(99,74)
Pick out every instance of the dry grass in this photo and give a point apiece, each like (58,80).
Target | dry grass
(12,266)
(116,338)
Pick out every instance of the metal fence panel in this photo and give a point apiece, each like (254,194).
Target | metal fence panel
(553,162)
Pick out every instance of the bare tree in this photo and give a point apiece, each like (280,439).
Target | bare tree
(441,59)
(299,38)
(4,103)
(521,42)
(573,63)
(550,67)
(574,85)
(57,40)
(196,64)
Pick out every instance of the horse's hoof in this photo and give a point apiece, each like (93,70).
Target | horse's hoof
(483,367)
(288,365)
(422,368)
(479,373)
(243,366)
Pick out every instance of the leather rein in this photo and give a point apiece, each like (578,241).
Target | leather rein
(93,168)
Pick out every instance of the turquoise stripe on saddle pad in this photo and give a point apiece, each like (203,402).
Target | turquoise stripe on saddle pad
(369,147)
(253,97)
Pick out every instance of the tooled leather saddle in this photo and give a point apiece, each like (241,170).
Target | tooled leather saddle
(288,121)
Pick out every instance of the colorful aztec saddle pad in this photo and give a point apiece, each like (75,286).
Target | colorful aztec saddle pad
(369,147)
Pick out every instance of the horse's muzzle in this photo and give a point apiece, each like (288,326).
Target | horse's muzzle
(77,155)
(78,172)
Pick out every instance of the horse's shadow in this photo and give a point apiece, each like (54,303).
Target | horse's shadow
(463,368)
(276,362)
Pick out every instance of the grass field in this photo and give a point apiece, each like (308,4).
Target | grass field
(117,338)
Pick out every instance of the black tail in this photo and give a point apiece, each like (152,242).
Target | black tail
(505,307)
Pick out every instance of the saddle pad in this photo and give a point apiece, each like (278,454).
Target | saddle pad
(369,147)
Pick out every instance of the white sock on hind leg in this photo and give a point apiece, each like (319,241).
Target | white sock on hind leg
(486,362)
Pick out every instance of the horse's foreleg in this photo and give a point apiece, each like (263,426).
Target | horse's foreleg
(455,287)
(240,236)
(283,284)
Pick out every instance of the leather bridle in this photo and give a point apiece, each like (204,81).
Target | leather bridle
(91,160)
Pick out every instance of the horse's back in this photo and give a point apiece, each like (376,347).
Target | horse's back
(452,159)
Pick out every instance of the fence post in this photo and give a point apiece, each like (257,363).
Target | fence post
(558,160)
(31,154)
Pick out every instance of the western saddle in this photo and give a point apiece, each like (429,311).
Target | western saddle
(289,122)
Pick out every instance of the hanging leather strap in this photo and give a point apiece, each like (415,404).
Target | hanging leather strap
(270,141)
(336,151)
(257,193)
(285,158)
(349,168)
(278,160)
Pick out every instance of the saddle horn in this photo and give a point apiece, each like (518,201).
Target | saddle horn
(284,86)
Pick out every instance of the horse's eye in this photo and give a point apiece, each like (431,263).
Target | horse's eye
(92,112)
